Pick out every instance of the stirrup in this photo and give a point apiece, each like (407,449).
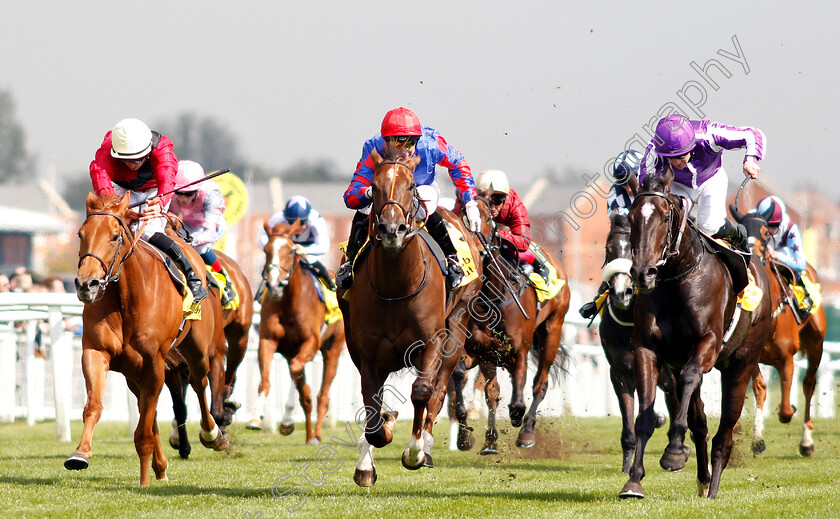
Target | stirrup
(228,293)
(197,289)
(455,273)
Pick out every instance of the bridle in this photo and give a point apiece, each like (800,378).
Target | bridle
(274,265)
(672,247)
(409,216)
(110,275)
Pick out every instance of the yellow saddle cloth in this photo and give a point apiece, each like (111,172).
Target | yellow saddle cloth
(814,290)
(330,301)
(220,281)
(545,290)
(750,296)
(465,259)
(191,309)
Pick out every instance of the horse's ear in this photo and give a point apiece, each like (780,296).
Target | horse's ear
(668,178)
(735,214)
(122,207)
(91,198)
(633,184)
(377,158)
(414,161)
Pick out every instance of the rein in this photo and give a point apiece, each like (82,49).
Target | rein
(109,275)
(669,251)
(402,298)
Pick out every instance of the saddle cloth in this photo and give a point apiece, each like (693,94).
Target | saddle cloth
(545,289)
(219,280)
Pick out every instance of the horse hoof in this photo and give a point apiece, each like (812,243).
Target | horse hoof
(526,441)
(313,441)
(365,478)
(632,489)
(219,444)
(428,463)
(473,414)
(661,420)
(175,442)
(758,447)
(466,441)
(806,450)
(77,461)
(416,464)
(673,461)
(184,454)
(489,449)
(254,425)
(233,406)
(286,429)
(516,422)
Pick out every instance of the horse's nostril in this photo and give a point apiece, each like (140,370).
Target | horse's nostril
(651,272)
(381,229)
(93,284)
(402,228)
(78,285)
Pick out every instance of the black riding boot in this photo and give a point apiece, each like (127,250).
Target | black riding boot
(168,246)
(591,308)
(323,273)
(437,228)
(358,229)
(735,234)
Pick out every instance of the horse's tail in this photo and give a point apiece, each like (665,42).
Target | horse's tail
(558,367)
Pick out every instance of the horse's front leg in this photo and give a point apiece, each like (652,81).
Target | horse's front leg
(518,374)
(436,399)
(668,383)
(296,370)
(624,385)
(95,369)
(176,381)
(265,356)
(465,439)
(491,397)
(646,371)
(379,427)
(146,436)
(548,337)
(331,356)
(760,393)
(734,380)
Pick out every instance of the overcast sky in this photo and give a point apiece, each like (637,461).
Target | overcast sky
(519,86)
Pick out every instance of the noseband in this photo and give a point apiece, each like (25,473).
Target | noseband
(109,277)
(409,216)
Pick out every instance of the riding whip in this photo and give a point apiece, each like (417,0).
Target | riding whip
(179,188)
(483,241)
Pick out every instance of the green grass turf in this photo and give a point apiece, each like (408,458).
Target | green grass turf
(574,471)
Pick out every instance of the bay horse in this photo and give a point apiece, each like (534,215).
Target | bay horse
(686,316)
(292,323)
(787,337)
(616,332)
(223,361)
(502,335)
(131,328)
(399,314)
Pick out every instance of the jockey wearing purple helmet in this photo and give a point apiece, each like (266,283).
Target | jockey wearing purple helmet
(693,150)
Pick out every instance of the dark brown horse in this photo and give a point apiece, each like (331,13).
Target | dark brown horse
(292,323)
(131,328)
(616,332)
(503,334)
(787,337)
(399,314)
(223,361)
(686,316)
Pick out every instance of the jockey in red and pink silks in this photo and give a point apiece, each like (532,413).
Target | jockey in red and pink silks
(136,160)
(201,207)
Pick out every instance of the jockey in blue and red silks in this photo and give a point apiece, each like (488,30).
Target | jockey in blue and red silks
(401,130)
(693,149)
(134,159)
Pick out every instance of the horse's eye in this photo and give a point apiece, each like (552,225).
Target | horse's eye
(115,238)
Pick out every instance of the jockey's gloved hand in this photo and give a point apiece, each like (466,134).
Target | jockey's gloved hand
(368,193)
(473,216)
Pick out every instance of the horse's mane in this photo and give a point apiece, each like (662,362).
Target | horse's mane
(399,154)
(654,183)
(619,220)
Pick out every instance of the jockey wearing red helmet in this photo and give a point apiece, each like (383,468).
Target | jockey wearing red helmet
(401,131)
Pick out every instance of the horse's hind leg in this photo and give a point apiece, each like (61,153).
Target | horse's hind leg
(624,386)
(547,339)
(760,393)
(646,374)
(94,368)
(668,383)
(296,370)
(265,356)
(699,428)
(176,382)
(237,340)
(809,384)
(211,436)
(491,396)
(786,410)
(465,439)
(518,375)
(734,382)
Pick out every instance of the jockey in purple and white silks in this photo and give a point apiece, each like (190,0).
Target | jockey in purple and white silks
(693,149)
(786,241)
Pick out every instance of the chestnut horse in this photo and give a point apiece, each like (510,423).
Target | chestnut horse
(237,324)
(131,328)
(502,335)
(786,338)
(686,316)
(399,314)
(616,332)
(292,323)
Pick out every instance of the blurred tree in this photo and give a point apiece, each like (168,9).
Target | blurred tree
(204,140)
(15,161)
(321,170)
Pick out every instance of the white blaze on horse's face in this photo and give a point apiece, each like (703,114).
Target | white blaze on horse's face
(647,210)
